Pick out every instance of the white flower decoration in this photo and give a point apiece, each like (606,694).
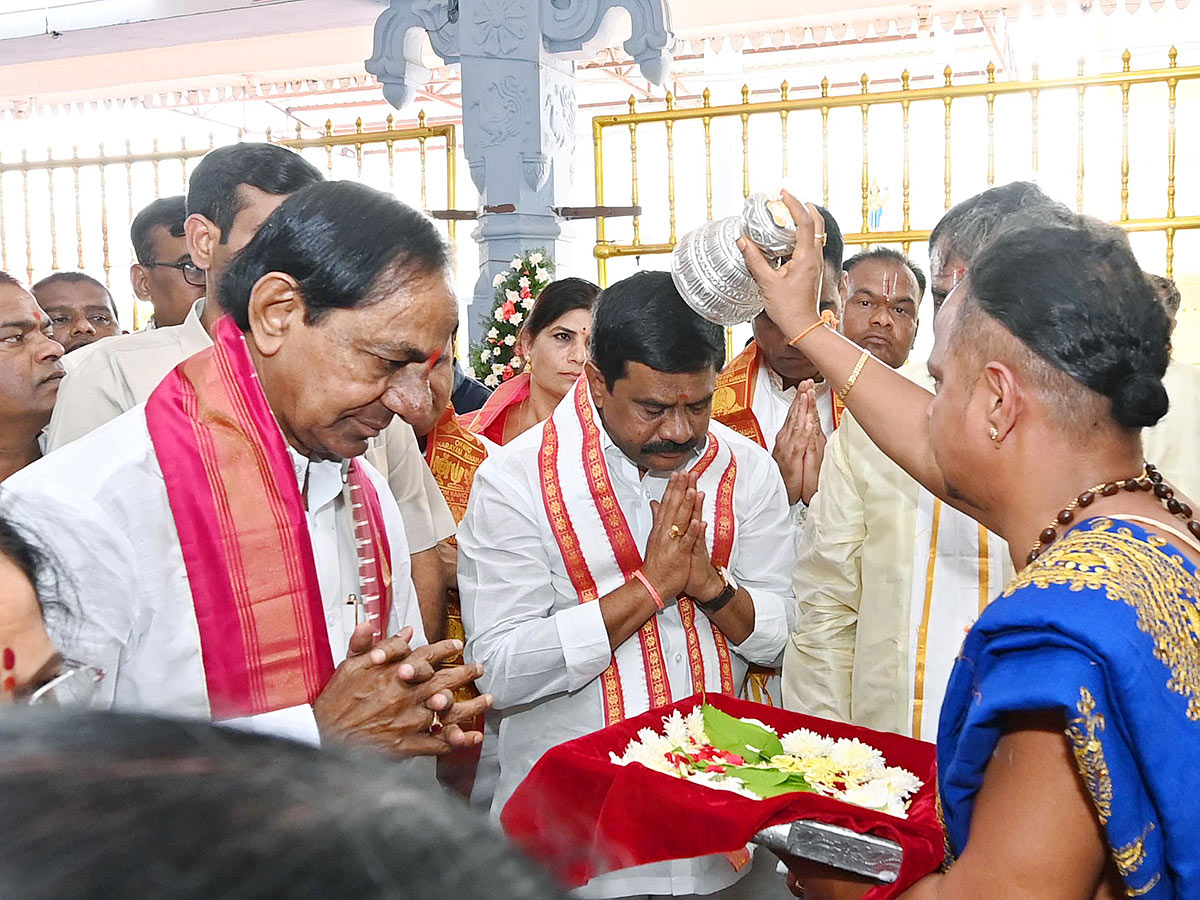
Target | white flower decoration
(807,744)
(852,756)
(541,274)
(497,369)
(527,302)
(523,281)
(498,280)
(498,316)
(901,782)
(510,340)
(492,381)
(516,263)
(536,258)
(485,355)
(517,362)
(676,728)
(695,723)
(723,783)
(512,295)
(872,795)
(516,320)
(494,333)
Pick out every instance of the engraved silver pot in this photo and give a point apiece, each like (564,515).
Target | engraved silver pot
(709,271)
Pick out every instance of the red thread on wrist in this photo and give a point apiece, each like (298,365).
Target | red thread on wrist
(654,595)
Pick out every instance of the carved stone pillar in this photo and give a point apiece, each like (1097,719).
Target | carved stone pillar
(519,107)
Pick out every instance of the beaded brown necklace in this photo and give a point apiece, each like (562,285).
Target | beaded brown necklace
(1150,479)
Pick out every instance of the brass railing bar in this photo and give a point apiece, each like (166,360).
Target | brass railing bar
(953,92)
(919,235)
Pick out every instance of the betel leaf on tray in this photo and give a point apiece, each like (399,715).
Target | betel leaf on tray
(767,783)
(751,742)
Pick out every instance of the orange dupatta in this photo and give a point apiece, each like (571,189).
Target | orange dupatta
(244,533)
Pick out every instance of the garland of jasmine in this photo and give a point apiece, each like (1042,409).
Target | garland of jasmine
(494,359)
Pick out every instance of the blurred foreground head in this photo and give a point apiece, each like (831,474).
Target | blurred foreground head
(107,805)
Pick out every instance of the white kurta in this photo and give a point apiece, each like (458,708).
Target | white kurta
(772,401)
(888,579)
(99,506)
(543,652)
(118,373)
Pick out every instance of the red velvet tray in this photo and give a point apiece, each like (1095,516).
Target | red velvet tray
(582,815)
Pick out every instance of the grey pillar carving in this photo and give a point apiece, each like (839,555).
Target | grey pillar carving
(519,107)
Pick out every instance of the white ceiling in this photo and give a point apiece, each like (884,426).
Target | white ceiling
(75,49)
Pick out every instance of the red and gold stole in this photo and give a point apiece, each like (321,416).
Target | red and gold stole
(733,399)
(600,554)
(489,421)
(244,533)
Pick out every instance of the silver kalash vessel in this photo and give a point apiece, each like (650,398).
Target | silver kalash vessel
(709,271)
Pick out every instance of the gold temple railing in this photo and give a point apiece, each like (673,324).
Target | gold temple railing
(388,142)
(104,165)
(948,95)
(42,231)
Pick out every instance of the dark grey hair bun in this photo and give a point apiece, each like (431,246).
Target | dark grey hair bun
(1139,401)
(1073,294)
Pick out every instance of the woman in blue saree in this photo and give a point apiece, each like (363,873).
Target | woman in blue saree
(1069,742)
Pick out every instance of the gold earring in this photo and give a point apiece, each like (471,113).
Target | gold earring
(994,434)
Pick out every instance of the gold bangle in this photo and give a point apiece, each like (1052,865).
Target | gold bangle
(827,318)
(862,361)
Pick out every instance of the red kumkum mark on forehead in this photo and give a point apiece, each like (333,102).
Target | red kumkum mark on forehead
(10,658)
(433,359)
(10,684)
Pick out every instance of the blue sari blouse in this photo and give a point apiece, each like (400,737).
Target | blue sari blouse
(1105,626)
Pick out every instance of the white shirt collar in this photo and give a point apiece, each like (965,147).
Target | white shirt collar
(325,477)
(192,336)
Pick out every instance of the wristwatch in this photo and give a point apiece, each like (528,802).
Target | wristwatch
(719,602)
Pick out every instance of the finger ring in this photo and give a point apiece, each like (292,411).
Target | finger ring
(435,727)
(675,532)
(820,239)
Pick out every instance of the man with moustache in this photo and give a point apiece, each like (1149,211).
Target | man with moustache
(610,555)
(80,308)
(881,298)
(30,373)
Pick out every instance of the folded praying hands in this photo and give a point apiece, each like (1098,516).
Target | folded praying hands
(800,446)
(676,559)
(395,699)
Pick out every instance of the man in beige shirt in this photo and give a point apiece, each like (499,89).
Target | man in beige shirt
(230,194)
(888,578)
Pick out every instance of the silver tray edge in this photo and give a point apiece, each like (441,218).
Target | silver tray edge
(861,854)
